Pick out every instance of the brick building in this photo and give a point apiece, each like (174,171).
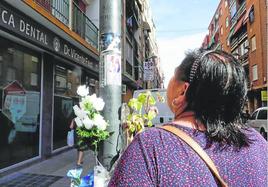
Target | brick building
(240,27)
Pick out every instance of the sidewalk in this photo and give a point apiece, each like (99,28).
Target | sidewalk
(51,172)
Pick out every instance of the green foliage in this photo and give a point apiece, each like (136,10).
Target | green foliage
(91,137)
(136,120)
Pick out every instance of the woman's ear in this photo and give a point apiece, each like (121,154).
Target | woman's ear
(185,87)
(175,91)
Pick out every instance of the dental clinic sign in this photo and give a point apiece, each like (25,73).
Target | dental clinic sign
(13,20)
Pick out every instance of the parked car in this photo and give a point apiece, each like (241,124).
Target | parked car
(258,121)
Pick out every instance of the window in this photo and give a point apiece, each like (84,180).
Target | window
(255,72)
(227,22)
(244,47)
(225,3)
(253,43)
(262,114)
(233,10)
(221,30)
(20,103)
(66,80)
(129,53)
(228,42)
(251,15)
(220,11)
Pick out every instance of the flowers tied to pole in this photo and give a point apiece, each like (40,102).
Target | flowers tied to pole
(91,126)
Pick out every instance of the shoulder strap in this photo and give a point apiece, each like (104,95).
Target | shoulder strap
(196,147)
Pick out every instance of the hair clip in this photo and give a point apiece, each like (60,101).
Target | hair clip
(194,68)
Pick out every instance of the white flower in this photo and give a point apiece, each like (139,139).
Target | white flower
(91,98)
(78,122)
(82,90)
(98,104)
(99,122)
(88,123)
(79,113)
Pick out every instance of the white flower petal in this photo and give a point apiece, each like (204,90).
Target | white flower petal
(82,90)
(78,122)
(99,122)
(88,123)
(79,113)
(98,104)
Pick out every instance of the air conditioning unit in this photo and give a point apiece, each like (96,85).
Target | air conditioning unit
(124,89)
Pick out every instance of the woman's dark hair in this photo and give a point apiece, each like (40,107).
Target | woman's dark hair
(216,94)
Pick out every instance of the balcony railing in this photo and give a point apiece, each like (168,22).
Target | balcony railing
(81,24)
(239,12)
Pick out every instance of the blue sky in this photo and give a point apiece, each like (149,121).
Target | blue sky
(181,25)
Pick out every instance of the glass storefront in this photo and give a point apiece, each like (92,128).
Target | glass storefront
(20,74)
(66,81)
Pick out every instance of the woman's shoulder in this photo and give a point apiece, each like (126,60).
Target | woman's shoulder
(156,135)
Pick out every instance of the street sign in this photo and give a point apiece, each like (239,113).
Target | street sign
(148,67)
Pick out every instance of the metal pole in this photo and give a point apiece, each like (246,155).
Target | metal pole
(110,74)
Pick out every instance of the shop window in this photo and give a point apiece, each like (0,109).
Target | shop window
(66,81)
(91,82)
(255,72)
(253,43)
(20,103)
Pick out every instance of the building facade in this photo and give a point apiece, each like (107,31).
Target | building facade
(140,47)
(48,48)
(240,27)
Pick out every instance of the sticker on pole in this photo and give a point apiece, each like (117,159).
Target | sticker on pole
(112,70)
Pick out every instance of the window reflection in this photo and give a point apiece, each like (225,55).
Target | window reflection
(67,79)
(19,103)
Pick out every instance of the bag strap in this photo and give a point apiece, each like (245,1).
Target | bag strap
(196,147)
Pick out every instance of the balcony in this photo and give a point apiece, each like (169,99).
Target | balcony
(83,26)
(238,14)
(73,17)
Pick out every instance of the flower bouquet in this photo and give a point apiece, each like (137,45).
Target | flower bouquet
(91,130)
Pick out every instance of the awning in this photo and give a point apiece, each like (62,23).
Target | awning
(239,23)
(247,15)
